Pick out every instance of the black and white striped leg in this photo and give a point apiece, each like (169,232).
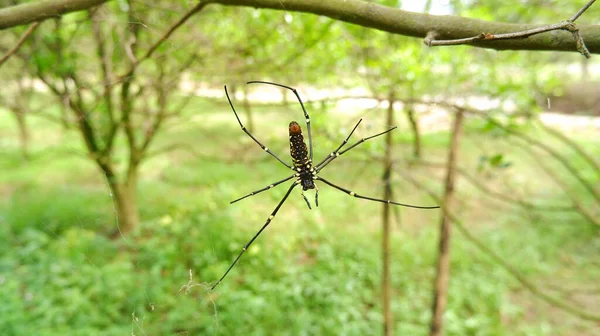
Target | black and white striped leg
(310,151)
(258,233)
(333,156)
(251,136)
(306,200)
(265,188)
(316,195)
(352,193)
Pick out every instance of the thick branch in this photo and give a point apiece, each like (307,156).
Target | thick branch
(358,12)
(41,10)
(447,27)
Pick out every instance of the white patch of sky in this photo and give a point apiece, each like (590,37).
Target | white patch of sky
(440,7)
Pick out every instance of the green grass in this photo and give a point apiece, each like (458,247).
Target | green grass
(312,272)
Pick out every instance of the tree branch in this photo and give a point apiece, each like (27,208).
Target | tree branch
(394,20)
(164,37)
(541,162)
(508,199)
(432,37)
(20,42)
(41,10)
(359,12)
(569,142)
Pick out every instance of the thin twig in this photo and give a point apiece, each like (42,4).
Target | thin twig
(508,199)
(583,9)
(571,143)
(541,162)
(530,140)
(163,38)
(565,25)
(20,42)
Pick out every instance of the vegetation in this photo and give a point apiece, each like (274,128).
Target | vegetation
(119,157)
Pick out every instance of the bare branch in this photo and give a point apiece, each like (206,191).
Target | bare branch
(583,9)
(556,155)
(498,195)
(20,42)
(161,101)
(576,204)
(166,35)
(107,87)
(586,156)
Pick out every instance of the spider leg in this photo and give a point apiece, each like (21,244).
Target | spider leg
(337,153)
(340,147)
(265,188)
(251,136)
(258,233)
(316,195)
(303,109)
(306,199)
(352,193)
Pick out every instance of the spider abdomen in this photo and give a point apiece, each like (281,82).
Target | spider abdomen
(298,149)
(299,153)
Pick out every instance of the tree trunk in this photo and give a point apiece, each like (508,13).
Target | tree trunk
(414,126)
(440,295)
(386,283)
(125,196)
(23,131)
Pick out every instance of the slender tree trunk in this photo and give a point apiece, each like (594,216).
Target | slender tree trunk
(414,126)
(64,115)
(248,108)
(440,295)
(125,197)
(23,131)
(386,283)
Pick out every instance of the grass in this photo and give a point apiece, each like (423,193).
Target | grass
(311,272)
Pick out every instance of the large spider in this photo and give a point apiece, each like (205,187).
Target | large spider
(305,173)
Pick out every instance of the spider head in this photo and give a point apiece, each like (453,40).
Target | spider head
(307,184)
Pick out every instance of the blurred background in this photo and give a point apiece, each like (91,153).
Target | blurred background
(119,157)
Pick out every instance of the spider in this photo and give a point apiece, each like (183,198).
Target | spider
(305,173)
